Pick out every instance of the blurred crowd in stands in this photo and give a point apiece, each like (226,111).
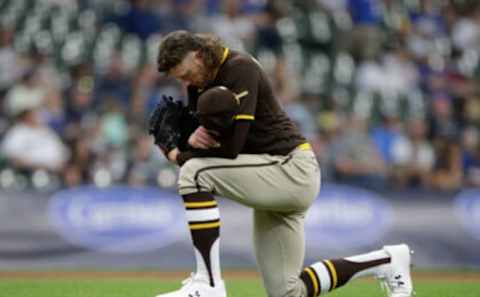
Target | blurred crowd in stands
(386,91)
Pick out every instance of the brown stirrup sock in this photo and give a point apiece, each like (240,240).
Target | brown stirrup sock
(203,219)
(347,269)
(324,276)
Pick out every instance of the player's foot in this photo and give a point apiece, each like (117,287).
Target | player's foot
(196,287)
(395,277)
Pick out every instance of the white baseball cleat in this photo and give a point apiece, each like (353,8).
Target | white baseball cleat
(395,277)
(196,287)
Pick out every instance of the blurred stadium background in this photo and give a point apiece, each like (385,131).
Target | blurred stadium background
(386,91)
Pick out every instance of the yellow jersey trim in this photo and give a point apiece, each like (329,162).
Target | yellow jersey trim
(244,117)
(224,57)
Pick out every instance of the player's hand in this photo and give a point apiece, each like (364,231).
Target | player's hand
(202,139)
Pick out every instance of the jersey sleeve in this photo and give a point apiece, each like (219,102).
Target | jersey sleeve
(242,79)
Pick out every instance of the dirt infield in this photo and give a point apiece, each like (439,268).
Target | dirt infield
(457,276)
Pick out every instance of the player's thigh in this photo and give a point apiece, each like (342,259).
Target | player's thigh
(259,181)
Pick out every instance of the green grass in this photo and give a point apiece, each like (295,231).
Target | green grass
(236,288)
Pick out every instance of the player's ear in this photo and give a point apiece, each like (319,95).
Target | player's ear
(198,56)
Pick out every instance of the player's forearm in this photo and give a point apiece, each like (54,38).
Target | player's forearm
(230,147)
(224,151)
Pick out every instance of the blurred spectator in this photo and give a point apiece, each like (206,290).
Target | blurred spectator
(428,31)
(48,74)
(11,66)
(268,48)
(329,126)
(114,127)
(78,169)
(29,144)
(366,38)
(466,30)
(413,157)
(447,173)
(442,122)
(109,167)
(53,112)
(472,110)
(26,94)
(365,12)
(315,34)
(185,15)
(428,20)
(114,83)
(144,161)
(149,90)
(369,76)
(385,136)
(267,36)
(234,27)
(302,117)
(80,106)
(139,19)
(393,76)
(471,157)
(142,86)
(356,158)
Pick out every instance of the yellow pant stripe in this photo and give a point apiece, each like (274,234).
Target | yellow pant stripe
(200,204)
(334,273)
(314,281)
(304,146)
(244,117)
(204,226)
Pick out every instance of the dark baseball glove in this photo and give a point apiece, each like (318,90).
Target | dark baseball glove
(164,123)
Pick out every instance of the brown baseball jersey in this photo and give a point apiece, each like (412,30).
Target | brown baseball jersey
(261,125)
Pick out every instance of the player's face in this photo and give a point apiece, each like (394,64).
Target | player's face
(191,70)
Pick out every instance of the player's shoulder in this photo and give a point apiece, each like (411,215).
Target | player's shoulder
(241,59)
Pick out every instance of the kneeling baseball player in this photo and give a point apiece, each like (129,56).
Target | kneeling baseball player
(234,140)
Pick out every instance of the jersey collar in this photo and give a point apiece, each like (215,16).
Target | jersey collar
(224,57)
(226,51)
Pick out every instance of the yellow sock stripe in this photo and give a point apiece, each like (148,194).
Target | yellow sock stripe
(244,117)
(314,281)
(204,226)
(334,273)
(200,204)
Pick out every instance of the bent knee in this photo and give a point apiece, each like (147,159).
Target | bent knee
(293,288)
(189,180)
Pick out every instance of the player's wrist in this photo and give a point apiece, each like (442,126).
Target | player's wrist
(173,154)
